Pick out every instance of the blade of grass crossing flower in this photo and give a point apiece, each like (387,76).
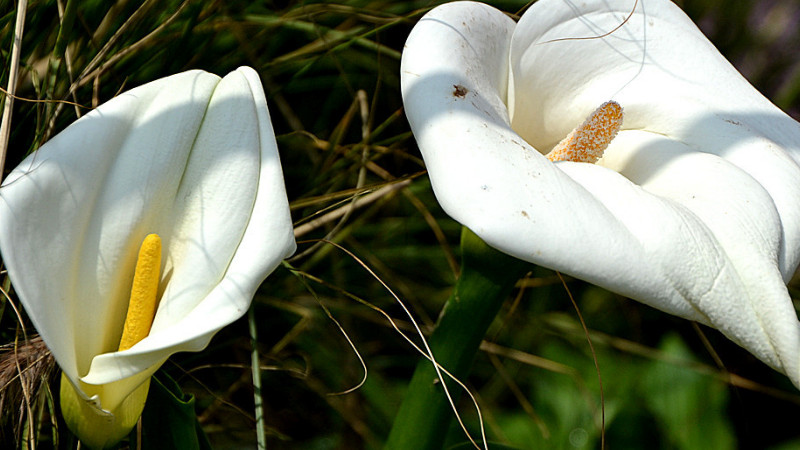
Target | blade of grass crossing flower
(487,278)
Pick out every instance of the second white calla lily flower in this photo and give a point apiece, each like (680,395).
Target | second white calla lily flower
(191,158)
(693,208)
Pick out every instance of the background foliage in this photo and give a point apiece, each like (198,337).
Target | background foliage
(330,70)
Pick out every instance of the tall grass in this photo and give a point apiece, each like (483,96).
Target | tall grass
(331,73)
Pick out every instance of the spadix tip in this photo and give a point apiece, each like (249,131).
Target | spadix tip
(587,142)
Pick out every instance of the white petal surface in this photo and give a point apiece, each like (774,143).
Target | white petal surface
(699,215)
(488,178)
(670,80)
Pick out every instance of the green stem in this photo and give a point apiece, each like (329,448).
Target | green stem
(487,278)
(255,363)
(65,30)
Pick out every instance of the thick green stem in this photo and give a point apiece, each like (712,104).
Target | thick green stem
(487,278)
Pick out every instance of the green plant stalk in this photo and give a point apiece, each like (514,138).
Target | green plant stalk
(65,29)
(487,278)
(261,436)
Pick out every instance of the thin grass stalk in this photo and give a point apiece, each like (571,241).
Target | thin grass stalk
(8,105)
(61,50)
(261,434)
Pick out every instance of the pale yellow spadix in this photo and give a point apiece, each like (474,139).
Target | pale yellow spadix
(587,142)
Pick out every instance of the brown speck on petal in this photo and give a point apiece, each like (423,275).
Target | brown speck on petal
(459,91)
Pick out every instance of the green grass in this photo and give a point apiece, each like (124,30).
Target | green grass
(536,383)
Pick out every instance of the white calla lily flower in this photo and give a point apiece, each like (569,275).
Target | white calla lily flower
(191,158)
(693,208)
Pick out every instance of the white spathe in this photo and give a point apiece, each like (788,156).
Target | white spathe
(191,157)
(694,207)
